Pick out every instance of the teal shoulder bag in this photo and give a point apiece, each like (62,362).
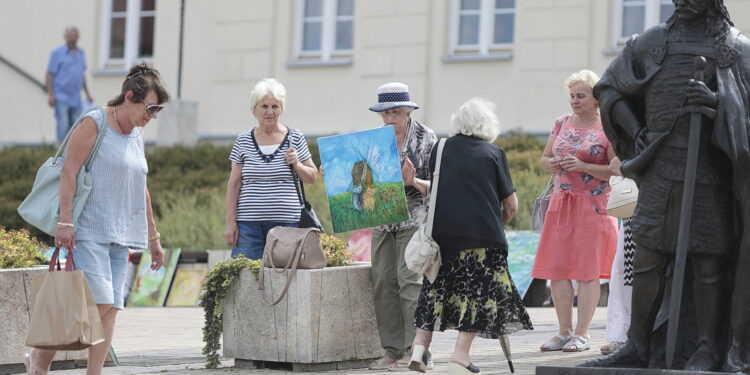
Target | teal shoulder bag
(41,208)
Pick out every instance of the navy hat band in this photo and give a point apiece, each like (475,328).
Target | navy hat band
(391,97)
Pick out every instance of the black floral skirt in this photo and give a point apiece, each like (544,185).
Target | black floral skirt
(473,293)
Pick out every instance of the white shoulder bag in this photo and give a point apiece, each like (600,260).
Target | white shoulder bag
(422,253)
(622,198)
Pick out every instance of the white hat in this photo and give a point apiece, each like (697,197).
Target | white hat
(393,95)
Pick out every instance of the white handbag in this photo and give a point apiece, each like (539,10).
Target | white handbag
(422,254)
(623,197)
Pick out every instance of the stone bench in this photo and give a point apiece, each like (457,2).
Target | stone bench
(325,322)
(15,313)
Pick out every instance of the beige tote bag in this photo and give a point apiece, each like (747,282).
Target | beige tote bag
(63,315)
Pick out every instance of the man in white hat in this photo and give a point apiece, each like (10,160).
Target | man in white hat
(396,289)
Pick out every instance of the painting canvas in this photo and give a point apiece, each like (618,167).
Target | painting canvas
(522,247)
(150,287)
(363,179)
(186,287)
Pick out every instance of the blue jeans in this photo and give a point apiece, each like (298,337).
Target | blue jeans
(65,115)
(252,237)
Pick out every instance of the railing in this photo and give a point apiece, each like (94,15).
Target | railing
(20,71)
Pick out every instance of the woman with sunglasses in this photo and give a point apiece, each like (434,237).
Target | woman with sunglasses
(117,214)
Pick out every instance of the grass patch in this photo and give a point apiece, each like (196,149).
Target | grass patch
(389,208)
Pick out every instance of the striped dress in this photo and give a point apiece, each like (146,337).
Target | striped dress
(268,192)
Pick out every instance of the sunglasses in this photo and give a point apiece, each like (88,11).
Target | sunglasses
(152,109)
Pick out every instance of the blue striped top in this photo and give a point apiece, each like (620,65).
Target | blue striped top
(115,211)
(268,192)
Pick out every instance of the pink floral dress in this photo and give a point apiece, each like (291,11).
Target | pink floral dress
(578,239)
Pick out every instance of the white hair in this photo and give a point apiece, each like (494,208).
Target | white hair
(70,28)
(268,87)
(585,76)
(476,118)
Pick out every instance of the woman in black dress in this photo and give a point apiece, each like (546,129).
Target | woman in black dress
(473,292)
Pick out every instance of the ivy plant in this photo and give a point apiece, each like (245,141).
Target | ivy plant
(217,284)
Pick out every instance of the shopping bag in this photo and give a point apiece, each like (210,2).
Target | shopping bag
(63,314)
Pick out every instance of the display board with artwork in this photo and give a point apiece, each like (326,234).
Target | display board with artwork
(187,286)
(150,287)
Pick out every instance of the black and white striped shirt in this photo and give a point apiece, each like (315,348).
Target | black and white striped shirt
(268,192)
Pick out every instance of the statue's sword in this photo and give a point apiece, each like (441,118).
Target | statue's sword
(686,211)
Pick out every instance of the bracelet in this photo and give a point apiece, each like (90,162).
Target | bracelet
(155,236)
(69,225)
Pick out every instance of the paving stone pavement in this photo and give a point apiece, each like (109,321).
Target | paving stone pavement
(169,340)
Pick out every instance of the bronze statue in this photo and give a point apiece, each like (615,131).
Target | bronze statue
(649,96)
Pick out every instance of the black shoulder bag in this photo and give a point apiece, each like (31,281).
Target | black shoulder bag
(307,217)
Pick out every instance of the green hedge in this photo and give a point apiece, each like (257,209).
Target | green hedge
(18,166)
(523,153)
(188,187)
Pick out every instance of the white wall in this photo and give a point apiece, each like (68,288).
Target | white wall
(230,44)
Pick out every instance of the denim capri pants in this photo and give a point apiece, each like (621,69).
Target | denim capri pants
(252,237)
(105,266)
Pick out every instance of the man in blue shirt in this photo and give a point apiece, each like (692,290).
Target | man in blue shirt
(64,80)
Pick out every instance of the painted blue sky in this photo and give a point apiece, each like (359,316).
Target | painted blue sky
(338,154)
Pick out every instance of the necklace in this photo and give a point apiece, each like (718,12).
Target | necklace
(267,158)
(120,126)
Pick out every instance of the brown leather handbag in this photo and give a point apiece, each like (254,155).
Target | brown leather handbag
(292,249)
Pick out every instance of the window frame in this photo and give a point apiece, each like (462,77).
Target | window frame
(133,14)
(651,18)
(329,19)
(485,45)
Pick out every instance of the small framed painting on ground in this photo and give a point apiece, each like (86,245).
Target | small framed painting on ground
(150,287)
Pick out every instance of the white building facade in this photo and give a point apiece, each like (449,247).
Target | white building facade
(330,55)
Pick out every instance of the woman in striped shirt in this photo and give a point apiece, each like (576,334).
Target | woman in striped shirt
(261,192)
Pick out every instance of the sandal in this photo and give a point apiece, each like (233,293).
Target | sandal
(384,363)
(577,343)
(553,345)
(457,369)
(611,347)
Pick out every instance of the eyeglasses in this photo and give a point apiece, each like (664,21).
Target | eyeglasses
(152,109)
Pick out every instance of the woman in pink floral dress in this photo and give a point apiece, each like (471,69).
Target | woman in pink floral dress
(578,238)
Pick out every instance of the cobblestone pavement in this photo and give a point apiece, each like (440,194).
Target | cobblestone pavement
(159,340)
